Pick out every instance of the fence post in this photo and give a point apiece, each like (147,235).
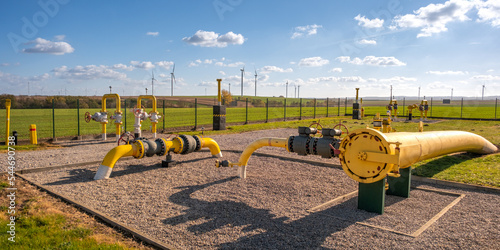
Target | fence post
(300,109)
(195,113)
(314,116)
(345,107)
(78,115)
(404,114)
(461,107)
(496,100)
(431,106)
(267,110)
(327,107)
(125,114)
(284,111)
(338,112)
(163,115)
(53,120)
(246,111)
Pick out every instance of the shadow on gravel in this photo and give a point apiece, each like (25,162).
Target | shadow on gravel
(308,232)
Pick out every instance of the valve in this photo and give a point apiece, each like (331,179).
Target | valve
(304,144)
(98,117)
(117,117)
(154,117)
(126,138)
(140,113)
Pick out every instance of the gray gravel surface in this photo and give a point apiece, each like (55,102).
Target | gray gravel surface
(193,205)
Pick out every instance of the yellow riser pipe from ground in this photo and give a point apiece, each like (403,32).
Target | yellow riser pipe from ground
(259,143)
(367,155)
(118,112)
(153,99)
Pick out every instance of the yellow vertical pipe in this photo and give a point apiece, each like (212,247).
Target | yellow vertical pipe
(219,98)
(7,125)
(118,110)
(153,98)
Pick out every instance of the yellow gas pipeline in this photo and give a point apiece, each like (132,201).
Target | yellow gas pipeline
(7,124)
(117,116)
(245,156)
(183,144)
(367,155)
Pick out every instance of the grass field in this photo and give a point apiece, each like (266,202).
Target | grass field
(66,120)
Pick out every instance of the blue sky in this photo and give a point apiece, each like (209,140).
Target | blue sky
(328,48)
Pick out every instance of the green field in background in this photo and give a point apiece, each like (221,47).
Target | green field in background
(66,120)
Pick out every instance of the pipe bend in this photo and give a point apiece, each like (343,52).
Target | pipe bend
(116,153)
(212,145)
(262,142)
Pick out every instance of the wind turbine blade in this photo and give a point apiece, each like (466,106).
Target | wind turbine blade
(173,69)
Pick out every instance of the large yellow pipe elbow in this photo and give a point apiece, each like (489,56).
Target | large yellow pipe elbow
(367,155)
(212,145)
(136,149)
(259,143)
(118,102)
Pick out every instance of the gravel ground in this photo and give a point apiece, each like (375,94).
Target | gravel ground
(196,206)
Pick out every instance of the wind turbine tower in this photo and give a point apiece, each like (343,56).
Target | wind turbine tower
(298,91)
(242,73)
(286,96)
(152,83)
(172,80)
(482,97)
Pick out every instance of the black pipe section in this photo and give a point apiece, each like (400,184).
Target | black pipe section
(305,144)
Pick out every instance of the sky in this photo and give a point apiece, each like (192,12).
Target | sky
(322,48)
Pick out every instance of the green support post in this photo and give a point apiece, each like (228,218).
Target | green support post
(125,115)
(314,108)
(164,116)
(327,107)
(78,115)
(267,110)
(371,196)
(53,120)
(431,107)
(338,112)
(246,111)
(300,109)
(284,111)
(345,107)
(195,113)
(400,186)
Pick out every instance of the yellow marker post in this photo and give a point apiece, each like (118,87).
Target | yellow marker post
(33,137)
(7,126)
(219,97)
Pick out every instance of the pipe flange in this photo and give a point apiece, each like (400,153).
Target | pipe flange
(140,148)
(189,144)
(163,147)
(198,143)
(290,144)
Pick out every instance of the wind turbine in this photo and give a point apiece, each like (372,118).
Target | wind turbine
(482,97)
(152,82)
(298,91)
(295,93)
(255,81)
(172,80)
(286,96)
(242,73)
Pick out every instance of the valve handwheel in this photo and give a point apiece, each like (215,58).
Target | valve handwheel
(137,111)
(125,138)
(318,127)
(340,125)
(88,117)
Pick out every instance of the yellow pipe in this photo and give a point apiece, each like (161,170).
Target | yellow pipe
(136,149)
(219,98)
(7,125)
(118,102)
(259,143)
(367,155)
(153,98)
(212,145)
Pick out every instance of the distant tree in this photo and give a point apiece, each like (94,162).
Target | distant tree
(226,96)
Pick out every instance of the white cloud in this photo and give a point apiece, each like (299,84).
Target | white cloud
(372,60)
(338,70)
(212,39)
(316,61)
(150,33)
(60,37)
(48,47)
(142,65)
(5,64)
(489,11)
(398,79)
(122,67)
(485,78)
(164,64)
(222,72)
(89,72)
(449,72)
(367,23)
(235,64)
(369,42)
(307,30)
(433,18)
(337,79)
(42,77)
(208,84)
(269,69)
(10,78)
